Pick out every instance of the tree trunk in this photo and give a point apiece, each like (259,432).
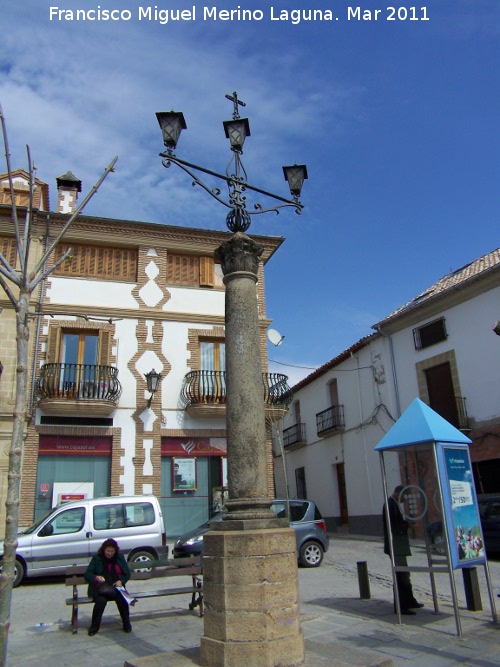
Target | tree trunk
(14,476)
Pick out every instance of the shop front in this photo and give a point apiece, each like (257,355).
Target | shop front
(194,481)
(71,468)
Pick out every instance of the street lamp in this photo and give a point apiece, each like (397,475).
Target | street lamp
(250,533)
(152,380)
(238,219)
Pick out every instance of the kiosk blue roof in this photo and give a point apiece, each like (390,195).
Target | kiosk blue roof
(419,424)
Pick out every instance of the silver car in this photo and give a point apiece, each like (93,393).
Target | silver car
(305,518)
(71,533)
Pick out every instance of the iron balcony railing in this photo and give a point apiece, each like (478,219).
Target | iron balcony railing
(205,387)
(330,419)
(294,434)
(453,412)
(78,382)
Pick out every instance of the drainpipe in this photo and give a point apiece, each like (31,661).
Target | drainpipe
(361,418)
(393,365)
(39,321)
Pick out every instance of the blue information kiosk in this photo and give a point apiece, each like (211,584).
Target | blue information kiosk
(437,499)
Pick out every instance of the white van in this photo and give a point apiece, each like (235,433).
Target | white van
(71,533)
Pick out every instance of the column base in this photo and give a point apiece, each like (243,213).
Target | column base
(270,653)
(251,600)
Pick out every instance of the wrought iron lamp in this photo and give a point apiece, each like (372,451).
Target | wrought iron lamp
(238,219)
(153,380)
(248,503)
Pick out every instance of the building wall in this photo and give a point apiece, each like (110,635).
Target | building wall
(475,348)
(150,325)
(365,391)
(375,392)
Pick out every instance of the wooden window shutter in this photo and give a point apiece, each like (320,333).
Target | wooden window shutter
(183,270)
(8,250)
(98,262)
(52,345)
(104,348)
(206,271)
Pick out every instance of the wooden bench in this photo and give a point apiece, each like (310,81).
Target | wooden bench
(139,571)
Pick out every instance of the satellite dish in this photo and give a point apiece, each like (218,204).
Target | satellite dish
(274,337)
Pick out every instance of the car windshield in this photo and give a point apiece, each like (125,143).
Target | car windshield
(36,525)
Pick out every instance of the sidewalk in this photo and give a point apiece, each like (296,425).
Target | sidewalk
(340,629)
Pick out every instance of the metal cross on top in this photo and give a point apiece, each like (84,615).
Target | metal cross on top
(234,99)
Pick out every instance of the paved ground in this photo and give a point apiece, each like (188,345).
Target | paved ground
(341,630)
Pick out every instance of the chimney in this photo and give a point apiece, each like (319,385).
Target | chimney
(68,187)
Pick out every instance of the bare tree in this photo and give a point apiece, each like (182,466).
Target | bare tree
(19,285)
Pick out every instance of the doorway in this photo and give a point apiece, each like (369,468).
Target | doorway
(341,486)
(442,392)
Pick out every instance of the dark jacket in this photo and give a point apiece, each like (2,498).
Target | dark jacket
(97,568)
(399,528)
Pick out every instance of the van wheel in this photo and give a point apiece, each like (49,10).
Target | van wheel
(18,573)
(142,557)
(311,554)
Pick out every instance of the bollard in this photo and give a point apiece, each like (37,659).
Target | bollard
(471,586)
(364,584)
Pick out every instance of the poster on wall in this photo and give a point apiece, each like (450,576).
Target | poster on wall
(461,508)
(184,474)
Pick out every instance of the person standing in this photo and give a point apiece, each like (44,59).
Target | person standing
(401,549)
(108,570)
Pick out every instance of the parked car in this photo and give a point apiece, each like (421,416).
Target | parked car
(489,510)
(71,533)
(305,518)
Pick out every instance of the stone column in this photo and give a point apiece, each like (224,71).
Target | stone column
(252,614)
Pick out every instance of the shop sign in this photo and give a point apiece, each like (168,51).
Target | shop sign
(193,446)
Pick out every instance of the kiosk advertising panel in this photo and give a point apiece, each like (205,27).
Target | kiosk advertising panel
(461,511)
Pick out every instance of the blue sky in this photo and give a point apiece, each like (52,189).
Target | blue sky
(397,122)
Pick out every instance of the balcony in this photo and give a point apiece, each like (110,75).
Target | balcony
(330,420)
(66,389)
(454,411)
(294,435)
(203,393)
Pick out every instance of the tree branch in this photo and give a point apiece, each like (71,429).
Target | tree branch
(11,186)
(49,250)
(49,270)
(8,271)
(8,292)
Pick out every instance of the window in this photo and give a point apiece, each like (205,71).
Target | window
(139,514)
(116,516)
(70,521)
(108,517)
(212,355)
(73,346)
(97,262)
(212,380)
(8,249)
(20,198)
(430,334)
(193,271)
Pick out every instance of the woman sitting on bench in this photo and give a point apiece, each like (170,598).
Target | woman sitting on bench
(108,570)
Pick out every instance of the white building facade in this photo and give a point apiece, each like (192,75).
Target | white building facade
(439,347)
(134,297)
